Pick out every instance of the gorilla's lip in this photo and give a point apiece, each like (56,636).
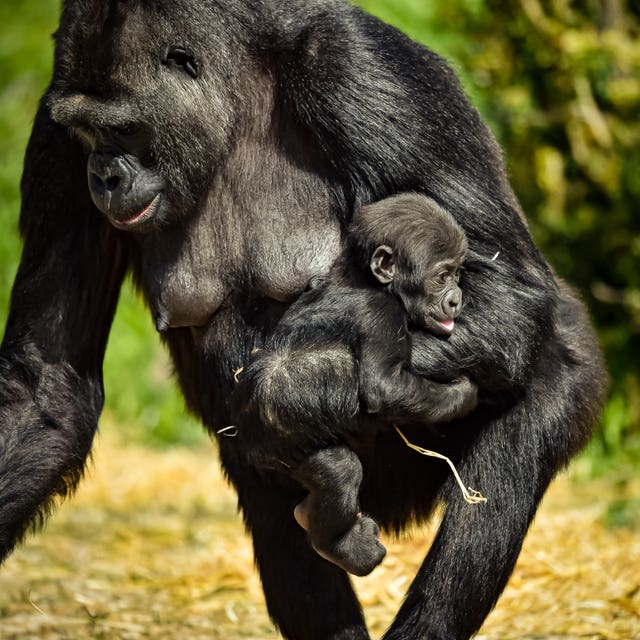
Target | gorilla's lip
(139,218)
(439,325)
(447,325)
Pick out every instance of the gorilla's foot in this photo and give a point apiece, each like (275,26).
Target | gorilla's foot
(359,551)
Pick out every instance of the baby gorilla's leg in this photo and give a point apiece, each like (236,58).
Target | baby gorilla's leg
(331,513)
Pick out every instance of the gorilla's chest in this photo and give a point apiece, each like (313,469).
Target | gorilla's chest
(270,252)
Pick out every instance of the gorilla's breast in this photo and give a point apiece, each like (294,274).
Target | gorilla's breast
(184,270)
(236,248)
(286,216)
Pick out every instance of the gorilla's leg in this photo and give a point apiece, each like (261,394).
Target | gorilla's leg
(308,598)
(513,459)
(307,397)
(331,511)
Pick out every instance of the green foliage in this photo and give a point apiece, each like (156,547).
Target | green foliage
(624,513)
(565,82)
(559,83)
(25,66)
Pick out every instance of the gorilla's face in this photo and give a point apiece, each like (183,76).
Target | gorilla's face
(151,98)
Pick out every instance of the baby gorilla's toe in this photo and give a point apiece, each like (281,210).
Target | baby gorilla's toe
(301,514)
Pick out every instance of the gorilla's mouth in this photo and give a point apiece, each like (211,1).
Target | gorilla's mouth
(141,217)
(447,325)
(443,327)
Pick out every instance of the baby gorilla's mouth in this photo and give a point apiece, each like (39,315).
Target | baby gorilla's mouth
(440,326)
(447,325)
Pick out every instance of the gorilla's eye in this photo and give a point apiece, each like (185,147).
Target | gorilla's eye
(181,58)
(125,130)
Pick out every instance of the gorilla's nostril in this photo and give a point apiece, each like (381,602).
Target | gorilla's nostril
(112,183)
(96,184)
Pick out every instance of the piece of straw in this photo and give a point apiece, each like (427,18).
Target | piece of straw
(472,496)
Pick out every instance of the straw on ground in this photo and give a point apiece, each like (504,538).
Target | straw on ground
(152,547)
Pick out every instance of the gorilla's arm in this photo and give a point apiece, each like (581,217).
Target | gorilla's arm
(62,306)
(513,458)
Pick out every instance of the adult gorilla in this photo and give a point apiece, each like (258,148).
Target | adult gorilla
(226,143)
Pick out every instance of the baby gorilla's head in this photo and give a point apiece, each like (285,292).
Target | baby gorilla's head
(416,248)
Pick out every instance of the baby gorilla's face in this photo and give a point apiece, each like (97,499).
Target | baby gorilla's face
(434,301)
(421,259)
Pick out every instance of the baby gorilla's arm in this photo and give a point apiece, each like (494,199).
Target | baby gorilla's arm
(389,388)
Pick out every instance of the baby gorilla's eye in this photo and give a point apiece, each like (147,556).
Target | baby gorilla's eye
(442,277)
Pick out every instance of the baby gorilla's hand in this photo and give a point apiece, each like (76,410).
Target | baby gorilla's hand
(467,396)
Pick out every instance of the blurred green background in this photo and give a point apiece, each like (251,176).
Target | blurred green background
(559,83)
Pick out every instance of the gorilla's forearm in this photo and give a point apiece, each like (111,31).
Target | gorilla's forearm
(62,305)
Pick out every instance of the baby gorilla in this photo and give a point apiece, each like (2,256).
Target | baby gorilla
(348,339)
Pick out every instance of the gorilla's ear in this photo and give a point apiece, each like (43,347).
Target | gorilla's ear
(383,264)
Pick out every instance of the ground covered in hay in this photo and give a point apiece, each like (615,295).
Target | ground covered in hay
(152,547)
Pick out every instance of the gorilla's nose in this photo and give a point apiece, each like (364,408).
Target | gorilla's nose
(451,303)
(109,179)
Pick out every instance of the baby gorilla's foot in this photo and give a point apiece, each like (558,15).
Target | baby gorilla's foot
(359,551)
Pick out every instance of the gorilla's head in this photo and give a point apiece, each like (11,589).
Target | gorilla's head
(149,88)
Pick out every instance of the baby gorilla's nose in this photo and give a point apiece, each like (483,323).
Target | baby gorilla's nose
(451,303)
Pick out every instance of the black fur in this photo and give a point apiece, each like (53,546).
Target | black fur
(300,111)
(342,351)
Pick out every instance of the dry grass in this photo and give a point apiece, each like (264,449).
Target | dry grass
(152,548)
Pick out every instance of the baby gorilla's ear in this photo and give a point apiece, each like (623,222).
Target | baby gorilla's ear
(383,265)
